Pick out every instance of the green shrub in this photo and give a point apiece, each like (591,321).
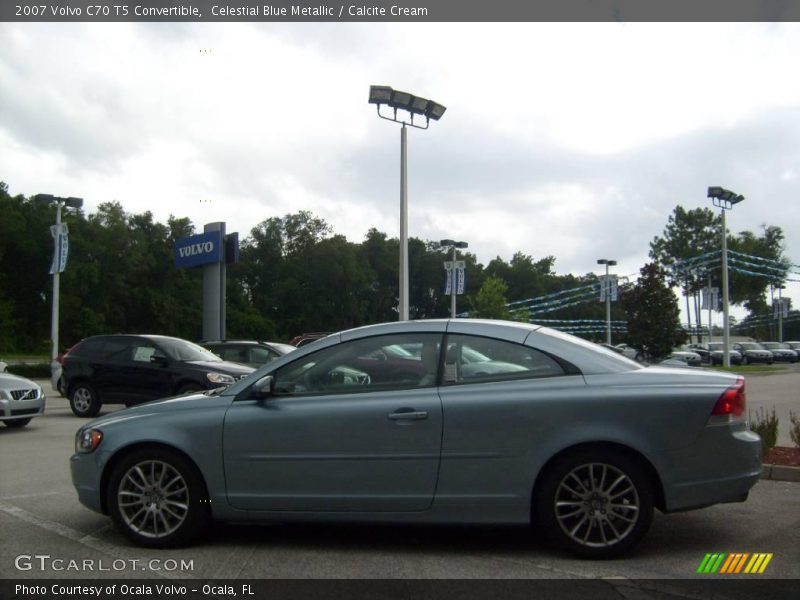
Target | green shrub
(34,371)
(795,430)
(767,427)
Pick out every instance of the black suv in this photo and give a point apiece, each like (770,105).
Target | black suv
(130,369)
(246,352)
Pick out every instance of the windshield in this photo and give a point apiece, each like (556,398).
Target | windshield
(186,351)
(751,346)
(776,346)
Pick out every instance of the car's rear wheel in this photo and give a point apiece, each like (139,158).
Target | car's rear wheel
(157,498)
(595,503)
(84,401)
(17,423)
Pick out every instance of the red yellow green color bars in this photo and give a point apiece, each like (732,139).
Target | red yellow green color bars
(741,562)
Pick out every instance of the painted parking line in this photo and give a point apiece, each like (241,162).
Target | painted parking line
(88,541)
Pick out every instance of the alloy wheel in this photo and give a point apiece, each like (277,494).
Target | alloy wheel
(153,499)
(596,505)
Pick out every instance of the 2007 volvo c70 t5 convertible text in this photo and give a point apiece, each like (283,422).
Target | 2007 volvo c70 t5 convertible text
(442,421)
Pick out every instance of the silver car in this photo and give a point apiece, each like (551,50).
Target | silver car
(575,437)
(20,400)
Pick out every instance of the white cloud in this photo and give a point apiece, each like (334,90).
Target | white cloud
(573,140)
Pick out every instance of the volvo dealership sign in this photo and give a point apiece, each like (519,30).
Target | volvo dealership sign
(196,250)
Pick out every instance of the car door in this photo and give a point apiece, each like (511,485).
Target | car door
(331,438)
(147,374)
(496,396)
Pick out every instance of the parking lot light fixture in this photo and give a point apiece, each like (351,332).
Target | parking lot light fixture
(383,95)
(608,263)
(70,202)
(724,200)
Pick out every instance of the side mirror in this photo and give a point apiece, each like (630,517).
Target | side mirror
(263,387)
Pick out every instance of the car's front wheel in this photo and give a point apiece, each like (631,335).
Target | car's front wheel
(157,498)
(84,401)
(595,503)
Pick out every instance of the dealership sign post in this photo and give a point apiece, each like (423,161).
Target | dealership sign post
(211,249)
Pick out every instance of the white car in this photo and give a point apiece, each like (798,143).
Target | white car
(20,400)
(630,352)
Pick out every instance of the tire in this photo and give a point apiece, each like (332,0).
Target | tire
(572,503)
(17,423)
(639,357)
(84,401)
(156,514)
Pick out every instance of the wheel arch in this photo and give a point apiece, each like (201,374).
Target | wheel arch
(122,453)
(184,382)
(631,453)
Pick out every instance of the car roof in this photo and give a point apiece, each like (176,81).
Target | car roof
(149,336)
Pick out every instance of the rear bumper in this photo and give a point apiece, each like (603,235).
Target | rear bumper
(722,466)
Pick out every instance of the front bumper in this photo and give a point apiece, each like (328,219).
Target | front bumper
(86,471)
(21,409)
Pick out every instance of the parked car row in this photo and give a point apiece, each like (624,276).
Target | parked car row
(741,353)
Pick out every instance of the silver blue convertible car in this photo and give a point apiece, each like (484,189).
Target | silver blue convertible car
(441,421)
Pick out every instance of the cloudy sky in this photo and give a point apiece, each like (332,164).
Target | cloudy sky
(571,140)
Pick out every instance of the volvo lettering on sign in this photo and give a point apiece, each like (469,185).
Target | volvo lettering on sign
(196,250)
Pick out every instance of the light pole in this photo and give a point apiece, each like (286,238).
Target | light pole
(453,244)
(413,105)
(724,200)
(607,288)
(780,312)
(59,232)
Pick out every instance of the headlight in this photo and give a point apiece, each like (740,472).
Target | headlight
(220,378)
(87,440)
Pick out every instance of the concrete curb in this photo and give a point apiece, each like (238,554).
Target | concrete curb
(780,473)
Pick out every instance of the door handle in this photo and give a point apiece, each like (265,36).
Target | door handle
(405,414)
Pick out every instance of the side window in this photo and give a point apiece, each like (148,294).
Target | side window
(261,356)
(400,361)
(92,348)
(116,349)
(472,359)
(143,351)
(236,354)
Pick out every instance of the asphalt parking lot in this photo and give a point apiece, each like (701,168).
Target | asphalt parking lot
(40,516)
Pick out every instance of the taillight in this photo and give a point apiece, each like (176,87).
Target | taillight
(731,406)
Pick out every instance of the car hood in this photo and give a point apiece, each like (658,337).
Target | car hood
(229,368)
(9,380)
(193,401)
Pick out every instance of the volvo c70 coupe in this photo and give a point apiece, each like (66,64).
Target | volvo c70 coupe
(487,422)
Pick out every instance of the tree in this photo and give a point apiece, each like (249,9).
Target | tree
(688,234)
(653,313)
(772,267)
(490,301)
